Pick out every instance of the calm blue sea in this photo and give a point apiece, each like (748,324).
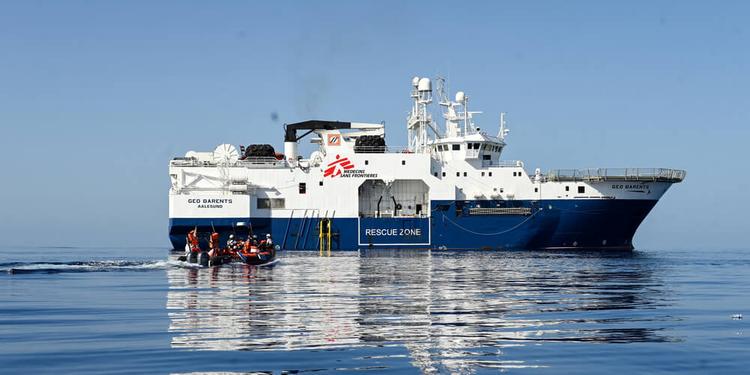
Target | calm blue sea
(138,310)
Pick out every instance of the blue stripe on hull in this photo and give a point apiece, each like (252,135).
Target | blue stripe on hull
(567,224)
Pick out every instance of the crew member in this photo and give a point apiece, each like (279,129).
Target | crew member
(192,239)
(213,244)
(231,243)
(267,243)
(250,247)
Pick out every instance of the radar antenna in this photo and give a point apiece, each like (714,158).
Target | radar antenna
(442,89)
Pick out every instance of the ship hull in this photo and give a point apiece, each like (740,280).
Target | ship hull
(550,225)
(592,224)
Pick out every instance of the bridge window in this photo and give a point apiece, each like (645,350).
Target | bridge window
(476,146)
(469,146)
(267,203)
(456,147)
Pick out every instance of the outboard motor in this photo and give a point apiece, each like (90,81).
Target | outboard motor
(190,256)
(203,258)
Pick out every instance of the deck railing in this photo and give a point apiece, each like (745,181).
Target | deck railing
(254,162)
(619,174)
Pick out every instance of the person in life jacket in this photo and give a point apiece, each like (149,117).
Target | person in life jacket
(267,243)
(250,247)
(192,239)
(231,243)
(214,246)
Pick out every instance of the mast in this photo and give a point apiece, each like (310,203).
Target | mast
(419,119)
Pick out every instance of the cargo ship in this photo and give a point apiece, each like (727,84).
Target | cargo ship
(448,188)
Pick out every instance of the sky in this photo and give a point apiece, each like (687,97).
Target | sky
(97,96)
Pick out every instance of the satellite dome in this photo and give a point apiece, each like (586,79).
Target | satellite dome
(424,85)
(460,97)
(415,81)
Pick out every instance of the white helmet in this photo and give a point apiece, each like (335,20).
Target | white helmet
(268,234)
(231,236)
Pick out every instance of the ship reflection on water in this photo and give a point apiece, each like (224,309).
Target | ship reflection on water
(452,311)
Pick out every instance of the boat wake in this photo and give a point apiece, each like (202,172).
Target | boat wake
(88,266)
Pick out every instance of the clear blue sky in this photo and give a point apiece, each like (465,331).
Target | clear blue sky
(97,96)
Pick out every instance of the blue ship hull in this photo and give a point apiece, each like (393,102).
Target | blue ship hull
(551,224)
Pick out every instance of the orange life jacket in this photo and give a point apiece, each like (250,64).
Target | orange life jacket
(214,243)
(249,248)
(190,238)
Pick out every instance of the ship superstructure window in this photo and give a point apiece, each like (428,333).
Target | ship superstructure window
(465,174)
(567,188)
(581,189)
(367,162)
(443,174)
(489,173)
(267,203)
(302,188)
(403,162)
(476,146)
(456,147)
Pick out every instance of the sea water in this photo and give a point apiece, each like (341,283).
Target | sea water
(139,310)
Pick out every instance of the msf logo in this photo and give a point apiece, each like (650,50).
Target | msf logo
(338,166)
